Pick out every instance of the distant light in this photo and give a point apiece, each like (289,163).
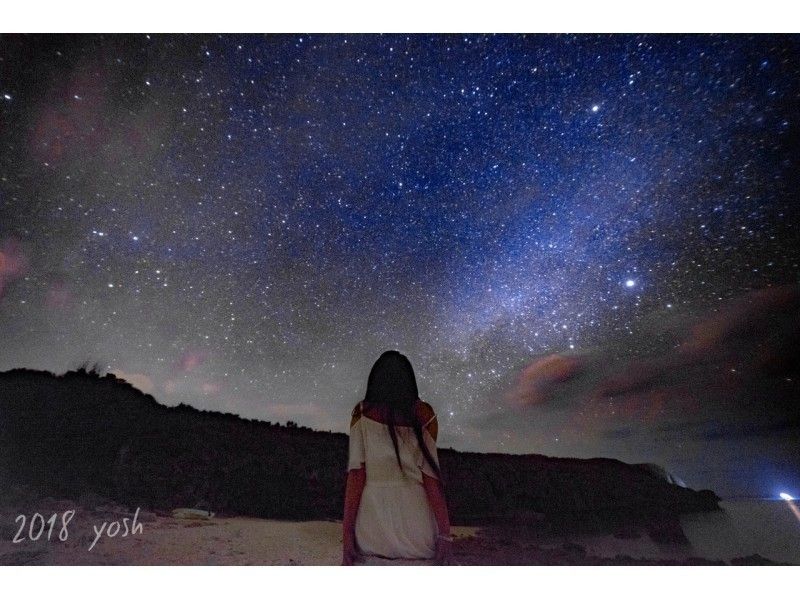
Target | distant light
(6,96)
(595,108)
(785,496)
(630,283)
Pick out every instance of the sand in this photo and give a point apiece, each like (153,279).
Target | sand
(740,530)
(166,540)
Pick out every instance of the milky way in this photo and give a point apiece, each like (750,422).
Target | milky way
(244,223)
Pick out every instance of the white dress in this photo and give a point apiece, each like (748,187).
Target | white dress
(394,517)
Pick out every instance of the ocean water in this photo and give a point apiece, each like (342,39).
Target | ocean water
(744,527)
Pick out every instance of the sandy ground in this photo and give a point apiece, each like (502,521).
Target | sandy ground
(741,530)
(174,541)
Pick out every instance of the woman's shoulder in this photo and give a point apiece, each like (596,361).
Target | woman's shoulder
(427,418)
(355,415)
(423,411)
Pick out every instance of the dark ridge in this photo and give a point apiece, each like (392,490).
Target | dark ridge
(82,433)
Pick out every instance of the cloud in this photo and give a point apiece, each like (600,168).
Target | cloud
(13,263)
(190,360)
(538,380)
(735,368)
(750,340)
(210,388)
(71,123)
(737,365)
(59,296)
(748,318)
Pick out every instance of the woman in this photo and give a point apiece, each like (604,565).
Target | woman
(394,500)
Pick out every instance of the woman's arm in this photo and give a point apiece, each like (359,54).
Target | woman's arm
(433,487)
(435,491)
(356,479)
(435,494)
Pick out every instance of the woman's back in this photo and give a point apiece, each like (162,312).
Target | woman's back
(378,450)
(394,518)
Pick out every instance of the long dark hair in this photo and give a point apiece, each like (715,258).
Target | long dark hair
(392,383)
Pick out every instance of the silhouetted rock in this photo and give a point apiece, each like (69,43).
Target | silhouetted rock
(83,435)
(754,559)
(666,529)
(627,533)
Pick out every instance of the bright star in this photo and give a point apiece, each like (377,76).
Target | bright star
(595,108)
(630,283)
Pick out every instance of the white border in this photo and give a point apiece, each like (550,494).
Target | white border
(397,582)
(691,16)
(403,16)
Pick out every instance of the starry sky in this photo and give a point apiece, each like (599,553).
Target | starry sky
(585,244)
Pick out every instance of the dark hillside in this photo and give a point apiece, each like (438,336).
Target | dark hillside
(82,433)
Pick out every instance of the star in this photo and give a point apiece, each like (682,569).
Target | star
(318,200)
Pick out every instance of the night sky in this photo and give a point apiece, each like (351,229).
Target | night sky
(586,245)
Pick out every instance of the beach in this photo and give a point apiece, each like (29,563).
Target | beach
(743,532)
(167,540)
